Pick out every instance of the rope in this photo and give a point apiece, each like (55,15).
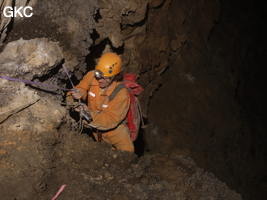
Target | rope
(141,116)
(80,127)
(66,71)
(34,83)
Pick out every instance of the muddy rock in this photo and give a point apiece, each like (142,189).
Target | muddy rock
(25,59)
(118,175)
(29,123)
(27,141)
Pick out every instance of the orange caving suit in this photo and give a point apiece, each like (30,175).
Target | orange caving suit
(108,117)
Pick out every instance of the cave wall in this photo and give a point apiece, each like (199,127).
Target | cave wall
(4,21)
(210,105)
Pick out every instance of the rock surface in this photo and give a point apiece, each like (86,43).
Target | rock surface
(25,59)
(92,171)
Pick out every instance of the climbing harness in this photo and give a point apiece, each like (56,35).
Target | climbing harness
(99,135)
(82,114)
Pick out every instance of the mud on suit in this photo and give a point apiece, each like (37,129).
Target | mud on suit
(108,117)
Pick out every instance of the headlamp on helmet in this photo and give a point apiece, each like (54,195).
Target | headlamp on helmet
(109,64)
(98,74)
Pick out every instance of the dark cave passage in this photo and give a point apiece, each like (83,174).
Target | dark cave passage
(213,108)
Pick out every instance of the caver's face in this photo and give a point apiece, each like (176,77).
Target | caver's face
(103,82)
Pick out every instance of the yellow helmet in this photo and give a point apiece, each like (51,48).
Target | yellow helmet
(109,64)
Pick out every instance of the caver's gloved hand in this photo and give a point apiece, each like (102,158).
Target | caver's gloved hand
(81,106)
(76,93)
(84,110)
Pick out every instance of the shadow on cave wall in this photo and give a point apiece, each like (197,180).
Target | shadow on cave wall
(212,106)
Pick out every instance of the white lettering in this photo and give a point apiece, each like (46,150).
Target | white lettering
(10,12)
(17,11)
(24,11)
